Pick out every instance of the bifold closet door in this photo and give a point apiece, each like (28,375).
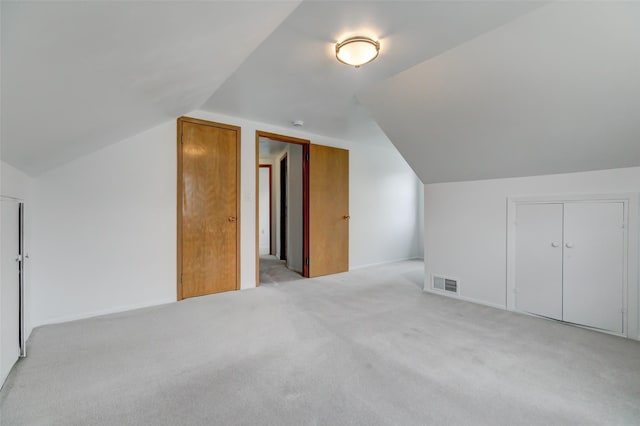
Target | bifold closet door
(539,259)
(594,264)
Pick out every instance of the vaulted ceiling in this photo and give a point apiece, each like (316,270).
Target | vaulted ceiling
(77,76)
(464,90)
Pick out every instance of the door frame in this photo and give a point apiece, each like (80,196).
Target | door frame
(631,286)
(283,164)
(180,194)
(305,195)
(269,167)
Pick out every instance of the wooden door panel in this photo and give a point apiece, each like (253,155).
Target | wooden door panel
(209,231)
(328,210)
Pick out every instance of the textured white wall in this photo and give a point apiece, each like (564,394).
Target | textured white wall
(466,224)
(104,236)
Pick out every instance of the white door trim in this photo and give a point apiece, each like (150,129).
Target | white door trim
(631,293)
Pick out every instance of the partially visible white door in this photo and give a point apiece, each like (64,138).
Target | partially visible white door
(264,210)
(594,264)
(539,259)
(9,288)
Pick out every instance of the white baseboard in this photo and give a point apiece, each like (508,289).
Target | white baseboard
(386,262)
(467,299)
(85,315)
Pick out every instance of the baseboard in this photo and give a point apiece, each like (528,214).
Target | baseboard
(467,299)
(386,262)
(105,312)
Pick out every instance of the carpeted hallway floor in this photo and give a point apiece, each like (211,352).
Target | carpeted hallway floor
(273,271)
(366,347)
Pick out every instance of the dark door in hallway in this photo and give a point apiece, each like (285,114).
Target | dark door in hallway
(283,208)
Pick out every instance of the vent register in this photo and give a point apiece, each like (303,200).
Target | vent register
(448,285)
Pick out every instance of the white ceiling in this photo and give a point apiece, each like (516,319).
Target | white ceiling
(555,91)
(77,76)
(294,74)
(465,90)
(268,148)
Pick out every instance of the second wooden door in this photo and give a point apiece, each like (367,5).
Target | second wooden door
(328,210)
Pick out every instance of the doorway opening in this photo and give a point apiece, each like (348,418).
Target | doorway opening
(288,252)
(265,220)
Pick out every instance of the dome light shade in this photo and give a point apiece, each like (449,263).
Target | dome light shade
(357,51)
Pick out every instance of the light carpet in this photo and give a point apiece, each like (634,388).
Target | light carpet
(367,347)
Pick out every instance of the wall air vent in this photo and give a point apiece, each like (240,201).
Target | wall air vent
(447,285)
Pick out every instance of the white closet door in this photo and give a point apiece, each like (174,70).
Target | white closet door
(539,259)
(593,264)
(9,289)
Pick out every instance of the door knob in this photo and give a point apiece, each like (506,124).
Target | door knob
(346,217)
(554,244)
(569,245)
(232,219)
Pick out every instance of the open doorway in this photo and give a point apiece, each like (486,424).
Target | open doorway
(265,218)
(287,257)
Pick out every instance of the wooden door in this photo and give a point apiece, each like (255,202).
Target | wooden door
(594,264)
(328,210)
(539,259)
(208,211)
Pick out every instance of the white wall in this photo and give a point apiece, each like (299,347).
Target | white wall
(264,227)
(104,236)
(18,185)
(466,229)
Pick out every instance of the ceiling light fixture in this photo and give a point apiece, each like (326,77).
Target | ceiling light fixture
(357,51)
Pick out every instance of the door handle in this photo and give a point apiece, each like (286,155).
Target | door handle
(568,245)
(555,244)
(347,217)
(231,219)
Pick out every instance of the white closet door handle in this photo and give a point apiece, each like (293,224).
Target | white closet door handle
(569,245)
(554,244)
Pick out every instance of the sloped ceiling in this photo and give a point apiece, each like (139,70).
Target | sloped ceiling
(465,90)
(554,91)
(294,74)
(79,75)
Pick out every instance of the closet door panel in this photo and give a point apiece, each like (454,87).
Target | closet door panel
(594,264)
(539,259)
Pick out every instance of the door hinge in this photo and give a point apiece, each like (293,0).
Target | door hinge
(306,261)
(181,276)
(182,138)
(307,157)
